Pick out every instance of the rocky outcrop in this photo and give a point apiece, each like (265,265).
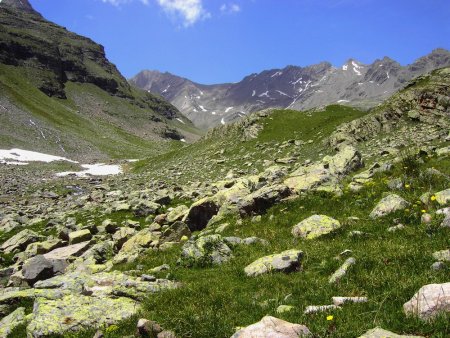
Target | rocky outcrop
(326,173)
(206,250)
(381,333)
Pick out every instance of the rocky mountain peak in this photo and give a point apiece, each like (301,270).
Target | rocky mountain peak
(22,5)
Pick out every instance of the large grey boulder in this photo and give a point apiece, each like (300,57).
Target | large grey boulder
(79,236)
(210,249)
(429,301)
(41,268)
(175,232)
(388,205)
(381,333)
(315,226)
(286,261)
(273,327)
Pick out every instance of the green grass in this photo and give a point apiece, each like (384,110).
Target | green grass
(199,160)
(390,268)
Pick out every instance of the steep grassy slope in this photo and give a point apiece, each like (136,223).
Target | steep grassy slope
(60,94)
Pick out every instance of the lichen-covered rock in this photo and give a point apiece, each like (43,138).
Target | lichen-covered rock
(443,255)
(72,313)
(286,261)
(138,243)
(210,249)
(380,333)
(20,241)
(40,248)
(273,327)
(177,214)
(388,205)
(429,301)
(315,226)
(10,322)
(342,271)
(79,236)
(443,197)
(122,235)
(330,170)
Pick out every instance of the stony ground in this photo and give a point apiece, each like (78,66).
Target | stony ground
(278,226)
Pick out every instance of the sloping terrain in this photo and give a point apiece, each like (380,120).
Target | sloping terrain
(272,215)
(300,88)
(60,94)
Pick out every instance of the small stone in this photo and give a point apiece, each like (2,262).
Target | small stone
(338,301)
(396,228)
(315,226)
(438,266)
(443,197)
(443,255)
(320,308)
(388,205)
(148,328)
(286,261)
(426,218)
(284,308)
(148,278)
(342,271)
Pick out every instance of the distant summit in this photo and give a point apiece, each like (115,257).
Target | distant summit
(293,87)
(22,5)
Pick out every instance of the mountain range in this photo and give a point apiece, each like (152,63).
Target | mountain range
(299,88)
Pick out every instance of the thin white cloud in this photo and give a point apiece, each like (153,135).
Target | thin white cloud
(230,8)
(117,3)
(190,11)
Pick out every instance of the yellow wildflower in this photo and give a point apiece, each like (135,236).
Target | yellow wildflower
(423,211)
(433,198)
(407,186)
(330,317)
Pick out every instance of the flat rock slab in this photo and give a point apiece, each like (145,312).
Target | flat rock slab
(271,327)
(429,301)
(66,252)
(380,333)
(388,205)
(315,226)
(75,312)
(286,261)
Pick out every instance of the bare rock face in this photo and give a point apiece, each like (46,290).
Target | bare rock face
(273,327)
(380,333)
(430,301)
(22,5)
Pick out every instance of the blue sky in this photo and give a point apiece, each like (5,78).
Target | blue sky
(215,41)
